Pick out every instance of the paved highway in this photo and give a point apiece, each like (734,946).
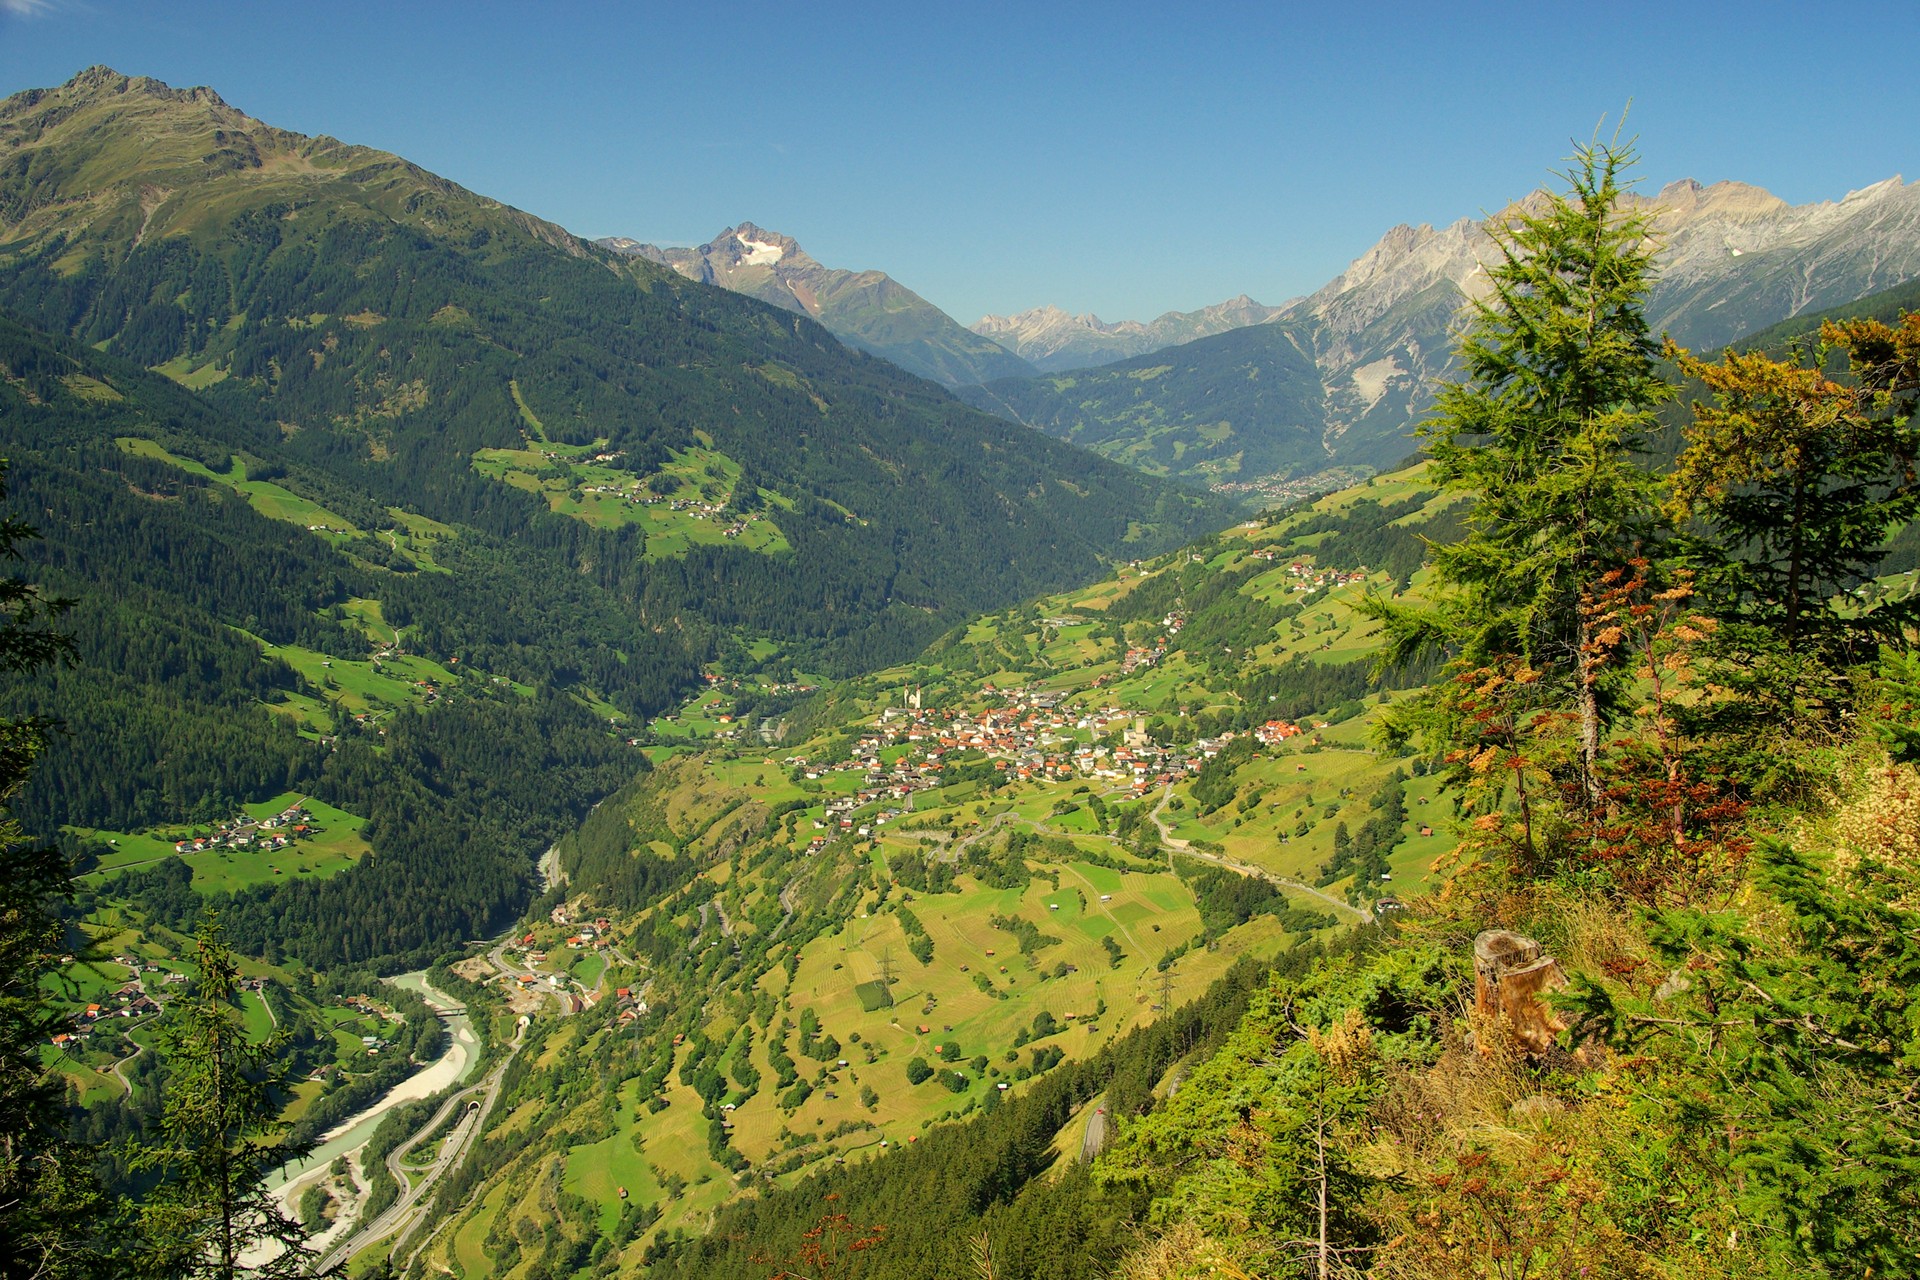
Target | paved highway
(404,1214)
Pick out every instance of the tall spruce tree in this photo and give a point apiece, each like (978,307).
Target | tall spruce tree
(49,1202)
(1559,386)
(212,1215)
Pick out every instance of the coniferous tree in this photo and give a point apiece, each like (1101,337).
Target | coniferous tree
(212,1210)
(48,1197)
(1560,386)
(1799,474)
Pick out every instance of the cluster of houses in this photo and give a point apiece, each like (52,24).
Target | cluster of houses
(130,1000)
(1275,732)
(632,1007)
(730,731)
(254,835)
(634,495)
(1280,490)
(370,1044)
(586,936)
(1306,577)
(526,987)
(554,455)
(700,509)
(1027,734)
(597,929)
(1141,656)
(697,508)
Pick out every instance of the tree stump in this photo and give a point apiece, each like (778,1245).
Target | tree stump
(1510,980)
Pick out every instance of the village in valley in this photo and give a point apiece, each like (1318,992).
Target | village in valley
(695,498)
(116,1001)
(1026,734)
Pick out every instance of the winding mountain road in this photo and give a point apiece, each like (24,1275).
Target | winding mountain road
(400,1218)
(118,1072)
(1095,1140)
(1179,845)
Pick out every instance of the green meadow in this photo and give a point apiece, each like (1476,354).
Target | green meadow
(573,484)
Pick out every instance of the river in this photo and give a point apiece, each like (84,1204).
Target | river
(455,1066)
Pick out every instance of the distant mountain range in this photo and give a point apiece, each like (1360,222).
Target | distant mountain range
(1243,395)
(865,309)
(1052,340)
(1342,377)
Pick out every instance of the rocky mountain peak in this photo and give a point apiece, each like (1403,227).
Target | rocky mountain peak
(1885,187)
(1688,199)
(753,246)
(1055,339)
(100,82)
(868,309)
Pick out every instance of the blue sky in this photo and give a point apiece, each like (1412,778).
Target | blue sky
(1121,158)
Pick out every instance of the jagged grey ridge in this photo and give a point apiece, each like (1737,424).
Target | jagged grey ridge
(868,310)
(1341,377)
(1734,258)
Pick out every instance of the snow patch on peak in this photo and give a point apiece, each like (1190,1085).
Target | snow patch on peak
(758,253)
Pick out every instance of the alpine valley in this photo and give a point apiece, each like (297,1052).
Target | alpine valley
(689,762)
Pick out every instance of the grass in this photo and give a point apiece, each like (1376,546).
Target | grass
(92,1083)
(699,718)
(598,1170)
(839,975)
(363,686)
(194,377)
(587,968)
(416,537)
(419,537)
(605,496)
(469,1246)
(371,618)
(335,846)
(259,1021)
(269,499)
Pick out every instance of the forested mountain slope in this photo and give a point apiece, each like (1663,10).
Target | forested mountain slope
(431,486)
(211,624)
(396,328)
(1886,306)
